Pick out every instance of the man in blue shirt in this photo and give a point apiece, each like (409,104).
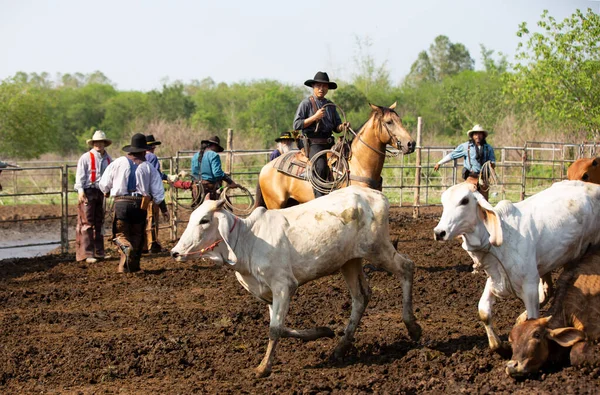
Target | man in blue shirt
(206,166)
(476,152)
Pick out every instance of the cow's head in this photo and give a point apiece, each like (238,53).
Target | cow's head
(530,342)
(206,234)
(464,208)
(585,169)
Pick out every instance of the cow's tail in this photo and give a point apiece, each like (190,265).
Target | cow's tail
(259,201)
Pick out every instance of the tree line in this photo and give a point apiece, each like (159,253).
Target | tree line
(554,86)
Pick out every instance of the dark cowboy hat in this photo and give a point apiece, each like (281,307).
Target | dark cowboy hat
(151,141)
(214,140)
(138,144)
(321,77)
(285,136)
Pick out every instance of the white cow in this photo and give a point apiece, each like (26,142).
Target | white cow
(517,243)
(274,252)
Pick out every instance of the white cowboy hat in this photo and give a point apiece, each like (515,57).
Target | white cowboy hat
(99,135)
(475,129)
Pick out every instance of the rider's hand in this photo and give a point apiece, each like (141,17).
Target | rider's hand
(319,114)
(436,167)
(344,126)
(233,185)
(82,199)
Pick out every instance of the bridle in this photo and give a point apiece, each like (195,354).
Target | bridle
(394,141)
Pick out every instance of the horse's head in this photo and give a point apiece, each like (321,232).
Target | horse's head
(392,131)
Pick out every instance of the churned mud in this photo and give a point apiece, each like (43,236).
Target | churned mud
(191,328)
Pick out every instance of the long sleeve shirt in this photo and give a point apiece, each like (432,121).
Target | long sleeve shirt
(467,151)
(210,169)
(153,160)
(327,125)
(88,174)
(147,180)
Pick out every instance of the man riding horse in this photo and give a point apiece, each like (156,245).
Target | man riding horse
(318,119)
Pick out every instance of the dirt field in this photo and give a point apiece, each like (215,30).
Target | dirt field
(191,328)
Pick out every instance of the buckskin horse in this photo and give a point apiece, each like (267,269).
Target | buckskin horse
(367,154)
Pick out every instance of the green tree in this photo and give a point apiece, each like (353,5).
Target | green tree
(444,59)
(171,103)
(27,119)
(558,71)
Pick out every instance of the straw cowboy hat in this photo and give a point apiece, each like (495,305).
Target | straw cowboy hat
(99,135)
(477,128)
(214,140)
(323,78)
(138,144)
(151,141)
(285,136)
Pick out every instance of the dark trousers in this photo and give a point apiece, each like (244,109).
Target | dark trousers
(89,240)
(128,232)
(320,165)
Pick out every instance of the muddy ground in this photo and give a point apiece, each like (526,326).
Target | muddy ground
(191,328)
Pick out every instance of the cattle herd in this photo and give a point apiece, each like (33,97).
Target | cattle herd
(518,246)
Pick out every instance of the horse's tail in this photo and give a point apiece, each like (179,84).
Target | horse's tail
(259,201)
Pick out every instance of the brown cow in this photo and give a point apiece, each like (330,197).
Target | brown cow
(585,169)
(574,321)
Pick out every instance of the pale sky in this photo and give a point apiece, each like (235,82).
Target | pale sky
(138,44)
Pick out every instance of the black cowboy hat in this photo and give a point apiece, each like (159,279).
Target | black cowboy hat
(285,136)
(214,140)
(321,77)
(138,144)
(151,141)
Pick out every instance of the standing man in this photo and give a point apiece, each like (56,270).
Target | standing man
(89,237)
(318,121)
(284,145)
(152,245)
(206,166)
(133,183)
(476,152)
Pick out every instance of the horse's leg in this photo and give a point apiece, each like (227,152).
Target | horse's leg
(278,311)
(402,266)
(360,293)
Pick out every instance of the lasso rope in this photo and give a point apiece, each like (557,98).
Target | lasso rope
(487,176)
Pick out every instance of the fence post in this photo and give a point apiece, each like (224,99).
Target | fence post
(523,172)
(229,165)
(172,198)
(417,199)
(64,222)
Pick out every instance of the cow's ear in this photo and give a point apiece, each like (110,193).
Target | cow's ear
(490,219)
(566,337)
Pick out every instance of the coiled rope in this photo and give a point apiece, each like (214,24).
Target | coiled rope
(487,176)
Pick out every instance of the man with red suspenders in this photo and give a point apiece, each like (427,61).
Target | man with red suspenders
(89,240)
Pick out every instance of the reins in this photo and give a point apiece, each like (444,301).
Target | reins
(215,244)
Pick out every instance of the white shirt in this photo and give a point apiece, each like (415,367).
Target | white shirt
(83,176)
(147,180)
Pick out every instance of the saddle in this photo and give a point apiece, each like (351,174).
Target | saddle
(292,163)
